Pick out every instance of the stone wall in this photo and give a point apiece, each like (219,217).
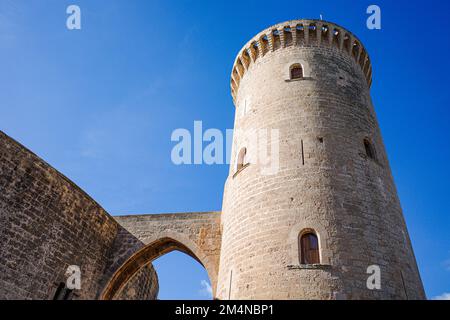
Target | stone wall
(46,224)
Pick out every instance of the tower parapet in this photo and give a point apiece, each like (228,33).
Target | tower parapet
(299,33)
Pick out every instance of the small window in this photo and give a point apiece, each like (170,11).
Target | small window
(309,248)
(63,293)
(370,150)
(241,161)
(296,72)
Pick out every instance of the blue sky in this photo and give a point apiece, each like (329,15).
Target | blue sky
(99,104)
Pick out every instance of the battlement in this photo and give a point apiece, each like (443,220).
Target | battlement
(299,33)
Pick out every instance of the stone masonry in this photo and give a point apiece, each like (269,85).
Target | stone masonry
(332,179)
(326,182)
(46,224)
(196,234)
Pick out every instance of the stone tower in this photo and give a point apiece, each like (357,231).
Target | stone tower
(333,194)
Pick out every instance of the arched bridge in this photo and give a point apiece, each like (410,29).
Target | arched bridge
(144,238)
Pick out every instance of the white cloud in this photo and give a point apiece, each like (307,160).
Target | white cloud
(206,289)
(444,296)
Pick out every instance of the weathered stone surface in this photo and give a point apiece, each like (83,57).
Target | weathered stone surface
(325,180)
(46,224)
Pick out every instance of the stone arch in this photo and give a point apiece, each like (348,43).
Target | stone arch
(143,238)
(195,251)
(154,248)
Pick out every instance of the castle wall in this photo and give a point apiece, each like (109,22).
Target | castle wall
(46,224)
(325,181)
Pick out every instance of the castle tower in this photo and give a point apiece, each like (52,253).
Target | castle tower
(311,228)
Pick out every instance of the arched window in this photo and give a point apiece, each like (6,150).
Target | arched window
(370,150)
(296,72)
(309,248)
(241,160)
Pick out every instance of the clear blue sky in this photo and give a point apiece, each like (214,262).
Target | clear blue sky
(100,104)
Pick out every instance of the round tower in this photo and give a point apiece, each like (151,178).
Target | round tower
(326,212)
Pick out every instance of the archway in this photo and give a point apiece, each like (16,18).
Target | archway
(153,250)
(180,277)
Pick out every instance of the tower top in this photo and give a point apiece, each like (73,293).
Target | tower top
(304,33)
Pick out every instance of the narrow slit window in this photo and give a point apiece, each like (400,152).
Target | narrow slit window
(303,152)
(241,161)
(370,150)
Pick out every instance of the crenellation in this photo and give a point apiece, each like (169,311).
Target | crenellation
(272,39)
